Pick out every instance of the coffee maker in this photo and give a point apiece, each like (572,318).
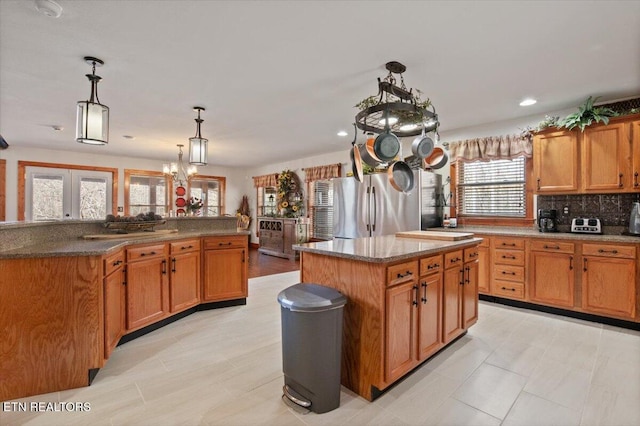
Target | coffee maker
(547,220)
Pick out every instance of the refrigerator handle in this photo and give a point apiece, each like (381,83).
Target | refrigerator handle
(375,209)
(368,204)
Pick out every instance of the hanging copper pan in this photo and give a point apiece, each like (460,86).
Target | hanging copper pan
(400,176)
(356,164)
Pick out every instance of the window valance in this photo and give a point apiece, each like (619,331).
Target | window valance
(322,172)
(491,148)
(265,180)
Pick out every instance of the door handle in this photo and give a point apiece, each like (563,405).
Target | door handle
(620,180)
(375,209)
(538,184)
(164,266)
(571,263)
(424,297)
(415,301)
(635,180)
(584,264)
(173,265)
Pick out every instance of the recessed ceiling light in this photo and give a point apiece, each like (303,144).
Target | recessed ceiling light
(49,8)
(128,137)
(392,121)
(57,128)
(342,133)
(528,101)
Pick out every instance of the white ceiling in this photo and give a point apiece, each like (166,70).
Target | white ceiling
(280,78)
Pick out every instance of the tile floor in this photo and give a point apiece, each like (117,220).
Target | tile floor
(223,367)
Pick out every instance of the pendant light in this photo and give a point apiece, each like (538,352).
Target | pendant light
(177,171)
(197,144)
(92,125)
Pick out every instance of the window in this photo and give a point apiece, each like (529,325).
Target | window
(54,193)
(321,209)
(267,201)
(492,188)
(210,189)
(145,192)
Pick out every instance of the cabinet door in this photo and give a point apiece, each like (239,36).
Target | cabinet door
(470,294)
(185,281)
(555,162)
(635,146)
(606,158)
(608,286)
(484,270)
(401,315)
(552,278)
(147,299)
(225,275)
(452,304)
(114,310)
(429,316)
(289,237)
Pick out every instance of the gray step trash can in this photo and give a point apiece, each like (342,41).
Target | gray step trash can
(312,345)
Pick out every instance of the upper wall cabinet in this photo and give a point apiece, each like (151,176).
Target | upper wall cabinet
(555,162)
(602,159)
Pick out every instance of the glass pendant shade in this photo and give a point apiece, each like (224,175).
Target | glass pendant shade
(198,151)
(92,123)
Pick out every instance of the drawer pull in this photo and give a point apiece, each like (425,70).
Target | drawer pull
(407,274)
(608,251)
(552,247)
(510,289)
(454,260)
(509,244)
(474,254)
(225,244)
(504,256)
(186,248)
(117,262)
(508,273)
(433,266)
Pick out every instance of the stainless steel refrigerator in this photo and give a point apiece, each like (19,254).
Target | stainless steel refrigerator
(373,207)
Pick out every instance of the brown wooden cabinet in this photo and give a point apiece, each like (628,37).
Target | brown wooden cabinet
(484,265)
(608,280)
(552,273)
(147,285)
(401,329)
(225,268)
(634,136)
(278,235)
(185,275)
(508,272)
(114,300)
(606,158)
(470,275)
(430,314)
(555,162)
(452,296)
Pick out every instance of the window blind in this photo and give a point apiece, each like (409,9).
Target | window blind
(492,188)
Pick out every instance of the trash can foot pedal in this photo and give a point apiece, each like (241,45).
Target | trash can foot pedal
(295,407)
(295,397)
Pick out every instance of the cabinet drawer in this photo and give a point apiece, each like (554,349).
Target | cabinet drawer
(510,243)
(185,246)
(508,289)
(430,265)
(627,252)
(486,242)
(112,262)
(509,273)
(229,241)
(145,252)
(402,272)
(553,246)
(452,259)
(470,254)
(509,257)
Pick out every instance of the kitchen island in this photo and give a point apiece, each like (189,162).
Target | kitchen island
(407,299)
(66,302)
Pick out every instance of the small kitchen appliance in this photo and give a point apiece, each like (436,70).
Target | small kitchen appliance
(547,220)
(586,225)
(634,220)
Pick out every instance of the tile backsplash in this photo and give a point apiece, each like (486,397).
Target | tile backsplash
(611,209)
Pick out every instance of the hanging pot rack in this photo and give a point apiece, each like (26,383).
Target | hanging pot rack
(396,101)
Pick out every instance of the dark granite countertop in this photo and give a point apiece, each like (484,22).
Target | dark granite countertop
(383,249)
(81,247)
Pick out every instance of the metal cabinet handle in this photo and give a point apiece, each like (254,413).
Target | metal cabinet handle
(433,266)
(454,260)
(474,254)
(608,251)
(424,297)
(635,180)
(504,256)
(173,265)
(620,180)
(508,273)
(117,262)
(468,279)
(415,301)
(552,247)
(164,267)
(538,184)
(186,248)
(510,289)
(242,255)
(462,276)
(407,274)
(571,263)
(509,244)
(584,264)
(225,244)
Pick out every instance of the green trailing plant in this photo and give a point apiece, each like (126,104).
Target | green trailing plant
(587,114)
(549,121)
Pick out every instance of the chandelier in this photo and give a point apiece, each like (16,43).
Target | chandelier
(177,171)
(197,144)
(92,124)
(396,108)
